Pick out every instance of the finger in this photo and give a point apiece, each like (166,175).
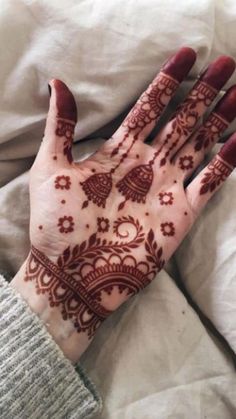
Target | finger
(178,130)
(144,115)
(211,178)
(60,124)
(193,152)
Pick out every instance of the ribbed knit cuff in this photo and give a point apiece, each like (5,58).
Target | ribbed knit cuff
(36,380)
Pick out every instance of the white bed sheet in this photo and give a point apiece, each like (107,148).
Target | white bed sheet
(154,358)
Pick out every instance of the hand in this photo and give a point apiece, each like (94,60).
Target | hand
(102,228)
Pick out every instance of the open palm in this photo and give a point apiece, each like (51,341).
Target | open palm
(102,228)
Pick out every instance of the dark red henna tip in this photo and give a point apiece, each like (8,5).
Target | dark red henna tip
(218,72)
(226,107)
(180,64)
(228,151)
(65,101)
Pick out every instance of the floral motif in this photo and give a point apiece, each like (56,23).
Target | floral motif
(66,224)
(151,103)
(186,162)
(62,182)
(103,224)
(166,198)
(168,229)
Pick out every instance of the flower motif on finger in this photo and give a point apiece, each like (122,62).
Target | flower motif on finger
(62,182)
(103,224)
(168,229)
(186,162)
(66,224)
(166,198)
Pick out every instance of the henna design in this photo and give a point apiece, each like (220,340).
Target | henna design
(97,188)
(136,184)
(166,198)
(103,224)
(65,128)
(62,182)
(186,115)
(149,107)
(84,273)
(66,224)
(218,171)
(154,253)
(168,229)
(151,104)
(210,131)
(186,162)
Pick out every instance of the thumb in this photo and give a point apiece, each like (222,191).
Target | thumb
(60,125)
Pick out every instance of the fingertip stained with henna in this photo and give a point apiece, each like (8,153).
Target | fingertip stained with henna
(218,72)
(65,101)
(180,64)
(228,151)
(226,107)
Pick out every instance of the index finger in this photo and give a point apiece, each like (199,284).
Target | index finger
(144,115)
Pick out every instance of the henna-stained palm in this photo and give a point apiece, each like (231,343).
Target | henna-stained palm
(102,228)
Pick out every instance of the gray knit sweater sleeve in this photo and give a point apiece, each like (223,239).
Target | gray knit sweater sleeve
(36,380)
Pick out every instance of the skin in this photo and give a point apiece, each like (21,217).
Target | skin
(168,210)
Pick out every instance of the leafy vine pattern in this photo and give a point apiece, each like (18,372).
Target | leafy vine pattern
(210,131)
(84,273)
(217,172)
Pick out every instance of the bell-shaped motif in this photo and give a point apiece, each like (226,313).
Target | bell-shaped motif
(136,184)
(97,189)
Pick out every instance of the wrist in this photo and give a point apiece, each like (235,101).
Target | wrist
(72,343)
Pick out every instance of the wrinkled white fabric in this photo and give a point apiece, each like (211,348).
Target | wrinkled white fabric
(158,361)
